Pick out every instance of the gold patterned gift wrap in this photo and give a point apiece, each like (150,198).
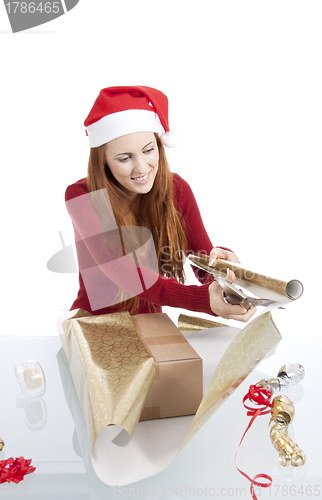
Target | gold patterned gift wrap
(252,344)
(111,369)
(130,368)
(116,364)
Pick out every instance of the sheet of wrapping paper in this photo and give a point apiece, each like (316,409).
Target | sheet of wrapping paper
(262,286)
(112,370)
(250,346)
(155,443)
(189,324)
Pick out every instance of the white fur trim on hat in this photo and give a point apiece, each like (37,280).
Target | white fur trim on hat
(122,123)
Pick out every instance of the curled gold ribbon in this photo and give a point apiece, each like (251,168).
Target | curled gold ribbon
(282,415)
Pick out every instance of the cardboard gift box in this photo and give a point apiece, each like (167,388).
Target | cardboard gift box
(177,388)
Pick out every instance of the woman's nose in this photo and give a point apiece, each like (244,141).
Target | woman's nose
(141,165)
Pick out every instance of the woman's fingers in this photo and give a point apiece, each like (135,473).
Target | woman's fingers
(219,253)
(216,253)
(225,310)
(243,317)
(217,303)
(231,276)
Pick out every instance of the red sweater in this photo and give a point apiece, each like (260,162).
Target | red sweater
(165,291)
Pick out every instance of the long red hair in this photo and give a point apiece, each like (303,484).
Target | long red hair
(156,212)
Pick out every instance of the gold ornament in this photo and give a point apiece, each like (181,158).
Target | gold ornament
(1,444)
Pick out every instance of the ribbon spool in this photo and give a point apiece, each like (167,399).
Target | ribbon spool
(292,373)
(31,378)
(289,374)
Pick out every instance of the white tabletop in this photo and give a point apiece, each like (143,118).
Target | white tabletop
(44,431)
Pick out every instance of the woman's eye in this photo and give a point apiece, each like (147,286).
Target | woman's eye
(148,150)
(123,160)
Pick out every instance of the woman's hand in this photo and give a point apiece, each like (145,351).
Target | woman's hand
(220,307)
(219,253)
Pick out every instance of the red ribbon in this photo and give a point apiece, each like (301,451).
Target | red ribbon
(258,396)
(14,469)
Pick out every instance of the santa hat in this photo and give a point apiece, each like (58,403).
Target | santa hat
(119,111)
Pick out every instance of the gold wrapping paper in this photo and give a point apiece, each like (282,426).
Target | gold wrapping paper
(189,324)
(256,282)
(111,369)
(251,345)
(113,372)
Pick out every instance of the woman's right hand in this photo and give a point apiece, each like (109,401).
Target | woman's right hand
(228,311)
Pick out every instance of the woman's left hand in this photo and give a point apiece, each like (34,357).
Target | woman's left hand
(219,253)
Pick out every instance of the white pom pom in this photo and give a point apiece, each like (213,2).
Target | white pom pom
(170,139)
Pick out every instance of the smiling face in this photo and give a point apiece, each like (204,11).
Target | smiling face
(133,160)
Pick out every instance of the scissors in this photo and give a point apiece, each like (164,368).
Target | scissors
(235,296)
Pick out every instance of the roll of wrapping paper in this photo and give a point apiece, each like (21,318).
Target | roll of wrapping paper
(259,284)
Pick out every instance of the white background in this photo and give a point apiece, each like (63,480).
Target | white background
(244,82)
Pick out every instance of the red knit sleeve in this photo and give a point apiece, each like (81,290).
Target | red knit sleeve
(169,292)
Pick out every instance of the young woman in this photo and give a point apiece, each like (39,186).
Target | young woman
(134,220)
